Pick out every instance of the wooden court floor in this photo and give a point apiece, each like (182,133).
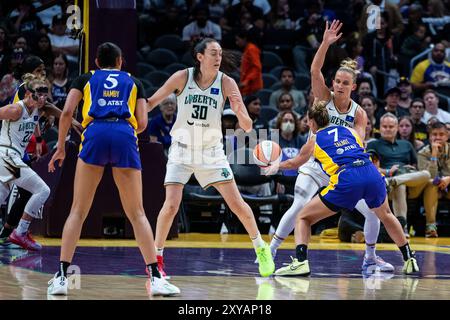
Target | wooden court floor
(212,266)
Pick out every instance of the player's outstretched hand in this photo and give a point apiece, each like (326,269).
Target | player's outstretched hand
(331,34)
(59,155)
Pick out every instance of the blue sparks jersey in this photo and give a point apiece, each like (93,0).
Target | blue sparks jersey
(336,146)
(109,93)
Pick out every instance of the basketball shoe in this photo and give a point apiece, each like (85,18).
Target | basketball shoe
(58,285)
(295,268)
(265,260)
(410,266)
(160,261)
(25,241)
(372,265)
(161,287)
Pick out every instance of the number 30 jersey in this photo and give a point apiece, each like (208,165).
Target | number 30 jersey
(199,116)
(109,93)
(17,134)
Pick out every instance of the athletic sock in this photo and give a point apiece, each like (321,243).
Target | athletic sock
(276,242)
(153,270)
(301,251)
(63,266)
(370,251)
(258,241)
(23,226)
(406,252)
(159,251)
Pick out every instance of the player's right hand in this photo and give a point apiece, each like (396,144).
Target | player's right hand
(59,154)
(331,34)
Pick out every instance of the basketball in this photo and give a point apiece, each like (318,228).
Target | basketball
(267,153)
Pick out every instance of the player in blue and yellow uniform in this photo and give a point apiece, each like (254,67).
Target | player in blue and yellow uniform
(353,177)
(114,111)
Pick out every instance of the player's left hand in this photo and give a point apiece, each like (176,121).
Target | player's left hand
(270,170)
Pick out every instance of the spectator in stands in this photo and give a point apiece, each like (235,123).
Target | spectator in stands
(406,132)
(61,42)
(369,104)
(253,105)
(414,45)
(201,27)
(415,12)
(159,127)
(217,9)
(287,79)
(290,141)
(433,72)
(309,36)
(5,20)
(264,5)
(380,53)
(47,15)
(395,22)
(432,109)
(60,80)
(236,10)
(398,162)
(251,67)
(161,6)
(282,18)
(285,103)
(370,136)
(229,122)
(27,22)
(43,49)
(405,93)
(392,97)
(4,45)
(416,111)
(364,87)
(303,127)
(8,86)
(435,159)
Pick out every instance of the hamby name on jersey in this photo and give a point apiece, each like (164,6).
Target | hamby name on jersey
(200,99)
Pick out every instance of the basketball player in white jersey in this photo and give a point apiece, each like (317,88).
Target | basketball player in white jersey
(20,121)
(196,143)
(343,111)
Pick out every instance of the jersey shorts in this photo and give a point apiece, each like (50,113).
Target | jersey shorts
(351,183)
(209,165)
(312,168)
(111,142)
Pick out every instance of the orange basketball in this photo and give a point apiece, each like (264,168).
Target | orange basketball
(267,153)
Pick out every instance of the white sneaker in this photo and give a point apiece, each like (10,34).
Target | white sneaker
(57,285)
(162,287)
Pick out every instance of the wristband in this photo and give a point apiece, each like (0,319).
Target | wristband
(38,139)
(433,158)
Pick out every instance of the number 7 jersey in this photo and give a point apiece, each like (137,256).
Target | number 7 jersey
(336,146)
(199,114)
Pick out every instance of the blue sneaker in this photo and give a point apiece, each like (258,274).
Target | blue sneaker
(377,264)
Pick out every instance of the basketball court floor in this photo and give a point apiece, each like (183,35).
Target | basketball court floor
(213,266)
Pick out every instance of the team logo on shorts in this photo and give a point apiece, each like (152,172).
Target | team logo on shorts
(225,173)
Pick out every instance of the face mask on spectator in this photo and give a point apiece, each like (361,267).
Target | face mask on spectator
(287,127)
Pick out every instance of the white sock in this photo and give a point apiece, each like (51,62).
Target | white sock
(23,226)
(276,242)
(370,251)
(258,241)
(159,251)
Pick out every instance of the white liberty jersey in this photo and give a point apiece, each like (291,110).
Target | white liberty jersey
(346,119)
(15,135)
(199,113)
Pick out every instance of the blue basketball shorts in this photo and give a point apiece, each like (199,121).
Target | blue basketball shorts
(110,142)
(351,184)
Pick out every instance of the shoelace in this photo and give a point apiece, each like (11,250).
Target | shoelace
(288,264)
(262,255)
